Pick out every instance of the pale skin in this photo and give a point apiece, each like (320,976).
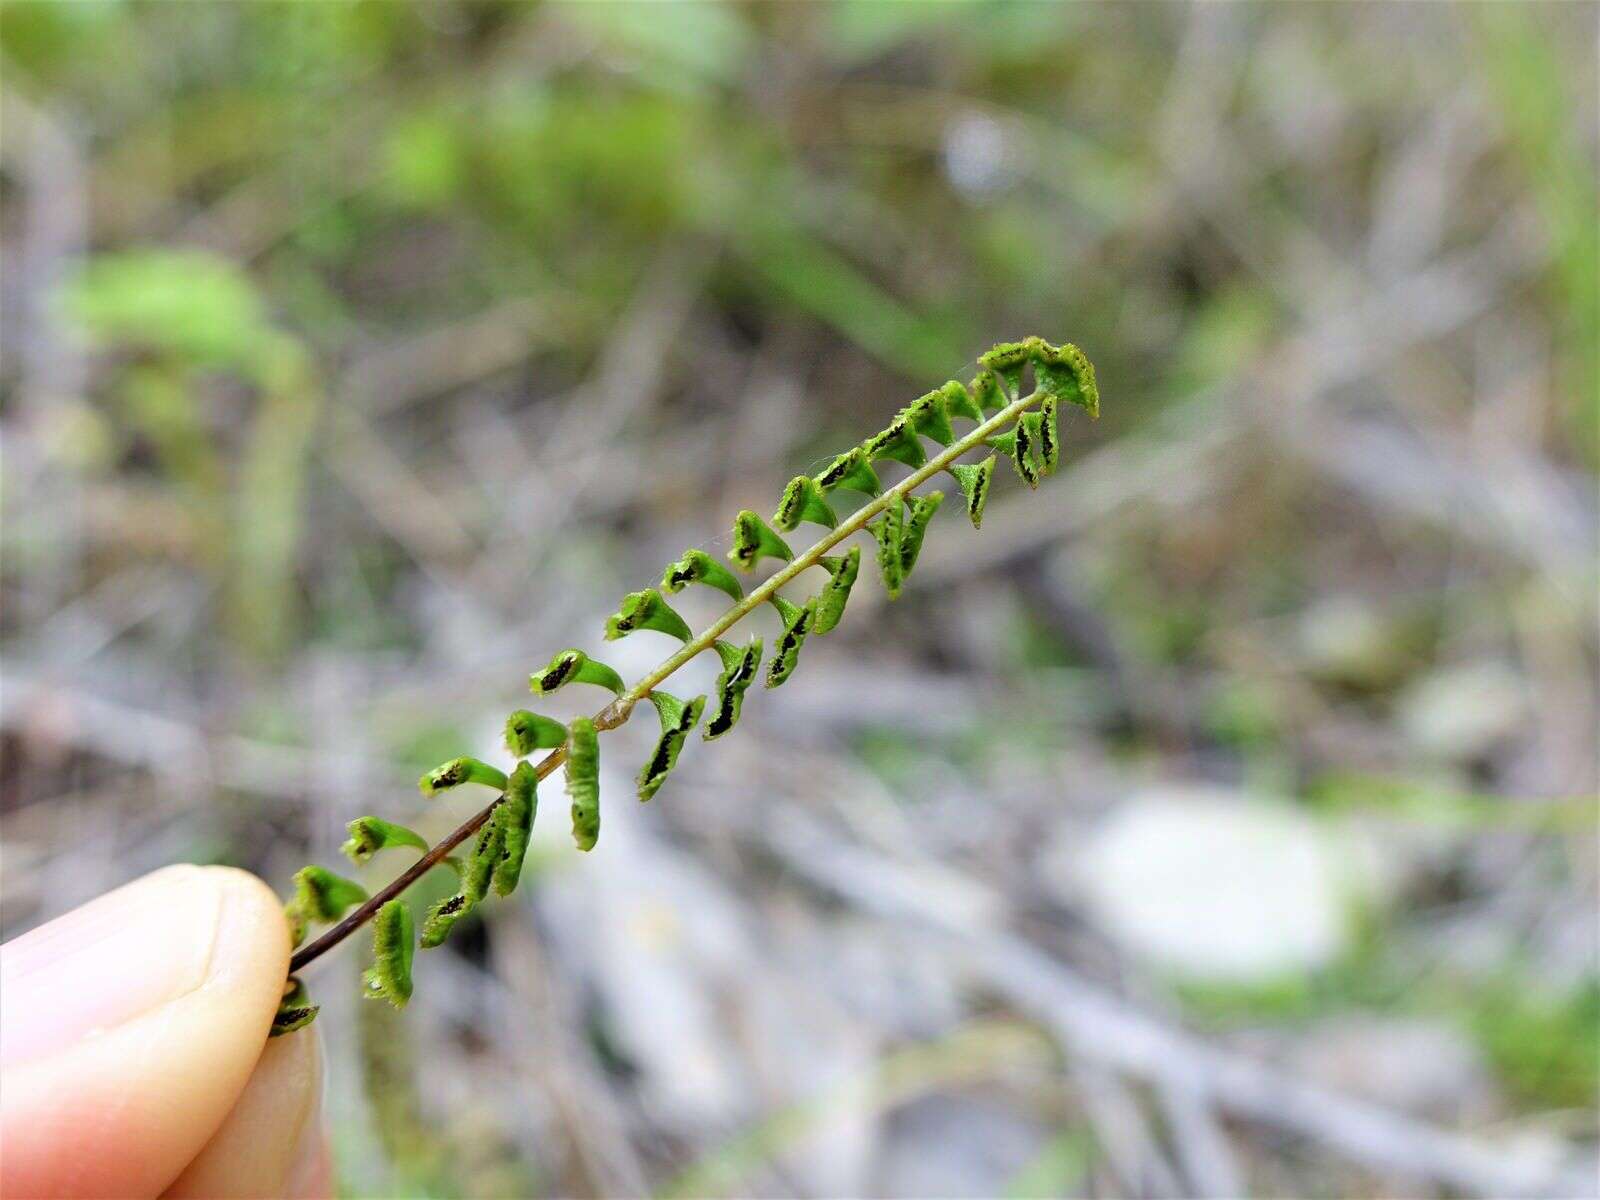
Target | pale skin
(134,1058)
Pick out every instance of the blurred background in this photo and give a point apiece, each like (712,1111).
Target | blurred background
(1221,820)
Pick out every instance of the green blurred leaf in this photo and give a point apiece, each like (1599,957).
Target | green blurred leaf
(1541,104)
(864,28)
(693,41)
(422,161)
(1059,1168)
(1545,1043)
(827,285)
(184,302)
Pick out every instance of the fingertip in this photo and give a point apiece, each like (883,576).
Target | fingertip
(253,949)
(132,1026)
(272,1143)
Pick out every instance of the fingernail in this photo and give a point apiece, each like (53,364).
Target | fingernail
(112,960)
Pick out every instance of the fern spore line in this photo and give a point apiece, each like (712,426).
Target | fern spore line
(618,711)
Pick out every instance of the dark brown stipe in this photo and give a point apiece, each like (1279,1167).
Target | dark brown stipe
(620,709)
(316,949)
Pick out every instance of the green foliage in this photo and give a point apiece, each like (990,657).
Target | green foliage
(442,918)
(1066,373)
(422,162)
(739,665)
(696,566)
(807,271)
(1058,1169)
(527,731)
(958,402)
(842,571)
(394,941)
(803,500)
(753,540)
(475,876)
(516,815)
(646,610)
(1542,106)
(478,871)
(898,442)
(583,782)
(320,895)
(887,531)
(974,481)
(368,835)
(1026,426)
(851,470)
(458,771)
(919,512)
(183,302)
(797,621)
(986,391)
(705,42)
(551,159)
(1545,1043)
(295,1010)
(186,315)
(929,417)
(677,722)
(1021,446)
(573,666)
(1049,431)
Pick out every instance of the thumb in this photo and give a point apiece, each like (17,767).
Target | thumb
(129,1027)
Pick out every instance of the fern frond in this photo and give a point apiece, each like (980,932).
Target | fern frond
(394,941)
(797,620)
(1025,428)
(519,809)
(842,572)
(974,482)
(887,531)
(739,665)
(574,666)
(368,835)
(528,731)
(295,1010)
(851,471)
(753,541)
(919,513)
(320,895)
(583,782)
(458,771)
(898,442)
(646,610)
(803,500)
(678,720)
(696,566)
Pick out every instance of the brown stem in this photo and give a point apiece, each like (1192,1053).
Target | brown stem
(435,855)
(400,883)
(621,708)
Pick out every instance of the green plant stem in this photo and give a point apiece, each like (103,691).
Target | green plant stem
(618,711)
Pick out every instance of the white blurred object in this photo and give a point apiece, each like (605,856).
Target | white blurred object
(1345,638)
(1213,884)
(976,155)
(1462,711)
